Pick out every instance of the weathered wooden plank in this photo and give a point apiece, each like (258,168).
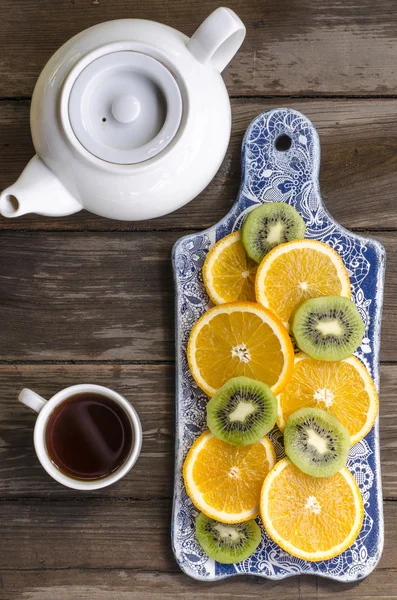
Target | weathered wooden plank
(291,48)
(358,174)
(85,296)
(21,475)
(388,430)
(151,389)
(380,584)
(86,534)
(73,296)
(121,584)
(107,534)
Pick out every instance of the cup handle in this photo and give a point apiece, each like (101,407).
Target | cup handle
(218,38)
(32,400)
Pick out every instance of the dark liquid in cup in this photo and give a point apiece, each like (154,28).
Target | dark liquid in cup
(88,436)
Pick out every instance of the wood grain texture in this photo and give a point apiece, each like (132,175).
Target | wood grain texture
(74,296)
(100,291)
(21,476)
(105,534)
(124,584)
(79,296)
(97,533)
(298,47)
(358,167)
(151,390)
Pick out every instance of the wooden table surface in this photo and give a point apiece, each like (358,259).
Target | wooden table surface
(87,299)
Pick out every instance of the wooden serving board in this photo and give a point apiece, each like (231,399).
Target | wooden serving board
(274,172)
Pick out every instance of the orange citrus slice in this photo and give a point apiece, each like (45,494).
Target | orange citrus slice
(296,271)
(344,389)
(313,518)
(225,481)
(240,338)
(228,273)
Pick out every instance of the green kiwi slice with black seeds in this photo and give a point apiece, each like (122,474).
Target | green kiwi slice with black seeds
(227,543)
(316,442)
(242,411)
(327,328)
(268,225)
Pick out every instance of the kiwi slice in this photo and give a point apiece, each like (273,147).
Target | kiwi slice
(242,411)
(316,442)
(268,225)
(327,328)
(227,543)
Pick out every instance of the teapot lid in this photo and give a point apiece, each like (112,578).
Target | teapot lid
(125,107)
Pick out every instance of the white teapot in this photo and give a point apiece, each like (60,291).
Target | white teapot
(130,120)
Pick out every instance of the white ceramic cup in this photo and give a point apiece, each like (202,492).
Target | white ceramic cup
(45,409)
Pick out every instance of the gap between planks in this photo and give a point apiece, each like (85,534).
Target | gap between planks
(115,362)
(142,570)
(313,96)
(163,230)
(90,362)
(100,499)
(83,499)
(97,569)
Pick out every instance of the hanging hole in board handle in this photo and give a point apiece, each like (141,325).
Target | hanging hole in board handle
(283,143)
(218,38)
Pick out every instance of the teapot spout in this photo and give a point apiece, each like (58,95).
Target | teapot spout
(38,191)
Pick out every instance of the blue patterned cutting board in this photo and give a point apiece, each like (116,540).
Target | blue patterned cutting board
(291,176)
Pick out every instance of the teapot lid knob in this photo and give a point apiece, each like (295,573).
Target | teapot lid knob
(125,107)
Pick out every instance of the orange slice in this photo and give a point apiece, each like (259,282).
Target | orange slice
(344,389)
(228,273)
(240,338)
(313,518)
(225,481)
(296,271)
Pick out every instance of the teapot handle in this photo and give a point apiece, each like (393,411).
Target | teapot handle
(218,38)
